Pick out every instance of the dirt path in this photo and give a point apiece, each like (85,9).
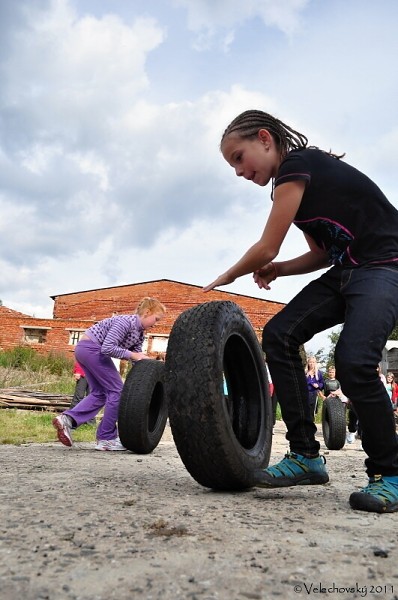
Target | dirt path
(84,525)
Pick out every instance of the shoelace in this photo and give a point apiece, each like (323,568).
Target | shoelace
(290,466)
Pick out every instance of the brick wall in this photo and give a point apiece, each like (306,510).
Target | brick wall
(78,311)
(57,331)
(176,296)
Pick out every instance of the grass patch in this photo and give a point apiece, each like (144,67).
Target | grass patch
(24,367)
(27,426)
(39,381)
(52,373)
(23,357)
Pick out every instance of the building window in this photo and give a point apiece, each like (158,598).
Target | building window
(158,343)
(74,336)
(34,336)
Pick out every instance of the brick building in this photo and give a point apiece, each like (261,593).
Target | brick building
(73,313)
(44,335)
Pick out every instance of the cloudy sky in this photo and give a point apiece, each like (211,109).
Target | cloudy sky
(111,112)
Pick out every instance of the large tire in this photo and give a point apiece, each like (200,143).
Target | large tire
(143,407)
(334,423)
(222,438)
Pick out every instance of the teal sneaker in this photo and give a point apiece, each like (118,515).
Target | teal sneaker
(380,495)
(294,469)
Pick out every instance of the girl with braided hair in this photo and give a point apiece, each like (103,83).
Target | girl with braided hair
(352,228)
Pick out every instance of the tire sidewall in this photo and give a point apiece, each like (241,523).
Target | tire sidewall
(137,408)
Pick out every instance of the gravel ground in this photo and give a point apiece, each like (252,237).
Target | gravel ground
(77,524)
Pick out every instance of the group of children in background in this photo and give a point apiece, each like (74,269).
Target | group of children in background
(321,387)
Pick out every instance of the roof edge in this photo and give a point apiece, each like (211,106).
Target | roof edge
(165,280)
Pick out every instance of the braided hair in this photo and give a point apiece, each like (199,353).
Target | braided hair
(248,124)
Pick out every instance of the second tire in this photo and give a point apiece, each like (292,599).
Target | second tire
(143,407)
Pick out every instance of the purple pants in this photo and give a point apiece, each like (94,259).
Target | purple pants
(105,385)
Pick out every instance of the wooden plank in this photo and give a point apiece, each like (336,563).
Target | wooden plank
(33,400)
(44,401)
(48,408)
(53,409)
(36,395)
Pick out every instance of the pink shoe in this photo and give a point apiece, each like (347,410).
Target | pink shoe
(63,425)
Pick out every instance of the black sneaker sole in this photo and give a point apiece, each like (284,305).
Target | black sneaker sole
(263,479)
(369,503)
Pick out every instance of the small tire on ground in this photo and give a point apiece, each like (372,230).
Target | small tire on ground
(334,423)
(222,436)
(143,407)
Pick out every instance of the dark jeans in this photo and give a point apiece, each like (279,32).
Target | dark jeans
(313,402)
(81,391)
(353,423)
(365,299)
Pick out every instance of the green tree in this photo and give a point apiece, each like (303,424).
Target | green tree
(394,334)
(325,358)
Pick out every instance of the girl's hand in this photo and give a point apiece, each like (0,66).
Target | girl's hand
(265,275)
(223,279)
(139,356)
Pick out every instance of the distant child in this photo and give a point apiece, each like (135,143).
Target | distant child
(392,389)
(350,226)
(332,385)
(121,337)
(332,388)
(81,387)
(315,383)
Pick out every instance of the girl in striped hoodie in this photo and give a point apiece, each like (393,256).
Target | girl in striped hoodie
(120,337)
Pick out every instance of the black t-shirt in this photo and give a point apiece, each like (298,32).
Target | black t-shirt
(331,385)
(342,210)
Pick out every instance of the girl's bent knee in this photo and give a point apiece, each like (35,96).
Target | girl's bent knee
(354,376)
(272,338)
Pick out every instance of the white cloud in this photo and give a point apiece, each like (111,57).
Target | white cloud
(58,53)
(209,16)
(110,170)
